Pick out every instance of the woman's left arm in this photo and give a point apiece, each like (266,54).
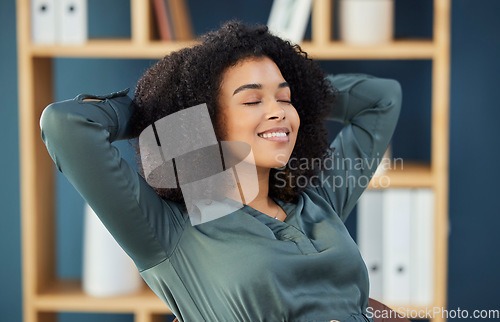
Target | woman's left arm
(369,109)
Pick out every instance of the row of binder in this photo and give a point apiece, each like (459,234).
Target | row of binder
(62,22)
(395,237)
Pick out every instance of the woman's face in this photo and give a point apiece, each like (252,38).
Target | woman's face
(255,102)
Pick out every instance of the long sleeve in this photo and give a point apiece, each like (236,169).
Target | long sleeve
(78,135)
(369,109)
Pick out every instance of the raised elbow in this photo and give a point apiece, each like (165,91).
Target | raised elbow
(58,122)
(393,93)
(52,122)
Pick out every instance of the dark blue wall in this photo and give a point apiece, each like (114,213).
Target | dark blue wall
(474,279)
(10,245)
(474,282)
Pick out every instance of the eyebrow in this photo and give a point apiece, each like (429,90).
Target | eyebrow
(256,86)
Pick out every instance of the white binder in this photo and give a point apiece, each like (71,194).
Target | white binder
(72,15)
(288,19)
(396,225)
(422,248)
(43,21)
(107,269)
(370,234)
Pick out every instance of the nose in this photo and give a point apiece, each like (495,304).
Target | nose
(275,111)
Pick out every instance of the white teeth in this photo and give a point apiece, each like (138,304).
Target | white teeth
(273,134)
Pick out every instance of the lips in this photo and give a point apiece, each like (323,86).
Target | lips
(275,130)
(276,134)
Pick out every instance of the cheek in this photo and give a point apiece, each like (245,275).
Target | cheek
(221,127)
(294,118)
(235,127)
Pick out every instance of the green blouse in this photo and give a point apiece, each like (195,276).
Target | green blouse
(245,266)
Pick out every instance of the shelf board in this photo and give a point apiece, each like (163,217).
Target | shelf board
(407,174)
(111,48)
(397,49)
(68,295)
(125,48)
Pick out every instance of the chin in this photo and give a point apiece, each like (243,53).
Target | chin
(272,164)
(272,161)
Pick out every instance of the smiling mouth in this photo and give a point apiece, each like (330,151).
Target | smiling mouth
(275,136)
(272,134)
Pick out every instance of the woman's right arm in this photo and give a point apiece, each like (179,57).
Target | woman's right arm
(78,134)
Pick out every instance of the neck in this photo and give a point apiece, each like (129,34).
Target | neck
(262,201)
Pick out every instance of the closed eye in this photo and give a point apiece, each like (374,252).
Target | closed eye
(284,101)
(251,103)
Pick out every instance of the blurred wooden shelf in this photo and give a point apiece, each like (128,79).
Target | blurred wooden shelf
(397,49)
(126,48)
(111,48)
(68,295)
(407,174)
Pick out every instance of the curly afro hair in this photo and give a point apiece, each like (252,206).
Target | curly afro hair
(192,76)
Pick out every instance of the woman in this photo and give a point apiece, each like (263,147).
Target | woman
(285,255)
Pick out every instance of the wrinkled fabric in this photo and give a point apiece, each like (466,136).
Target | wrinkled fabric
(245,266)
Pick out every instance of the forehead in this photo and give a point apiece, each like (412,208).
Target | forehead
(254,70)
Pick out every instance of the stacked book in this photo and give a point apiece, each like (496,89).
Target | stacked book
(172,20)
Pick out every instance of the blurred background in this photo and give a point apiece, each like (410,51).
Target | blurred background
(474,261)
